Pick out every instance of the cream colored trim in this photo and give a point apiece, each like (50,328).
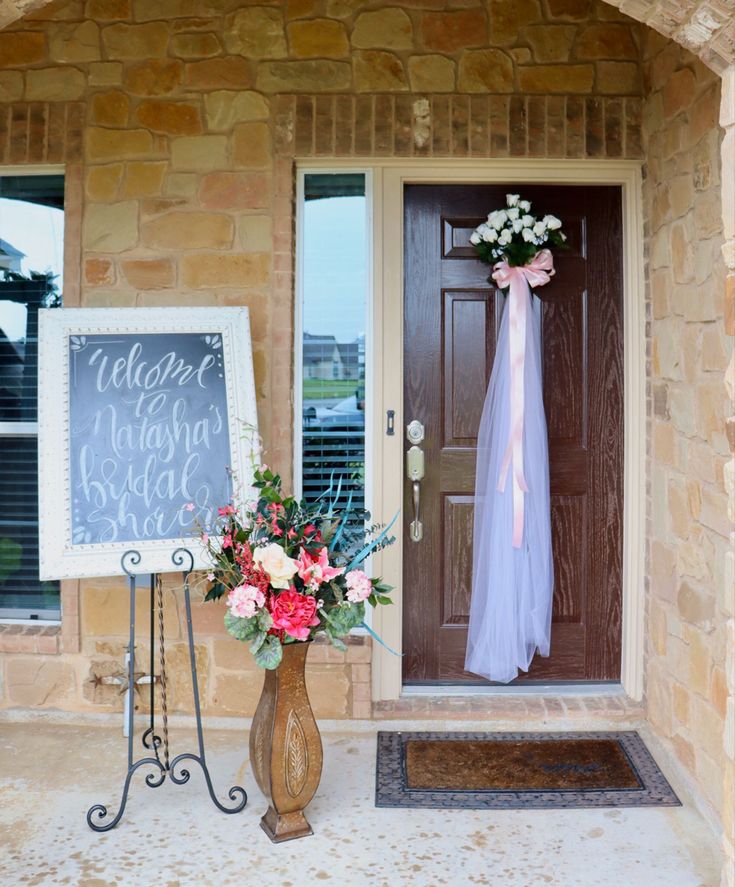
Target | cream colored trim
(390,175)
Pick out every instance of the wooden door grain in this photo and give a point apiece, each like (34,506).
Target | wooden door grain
(451,317)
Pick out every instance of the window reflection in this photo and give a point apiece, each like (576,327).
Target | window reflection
(31,251)
(334,286)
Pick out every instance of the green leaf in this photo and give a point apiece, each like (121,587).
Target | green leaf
(215,592)
(336,642)
(242,629)
(270,654)
(265,620)
(257,642)
(344,618)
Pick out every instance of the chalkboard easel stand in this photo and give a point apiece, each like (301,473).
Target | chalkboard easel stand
(97,814)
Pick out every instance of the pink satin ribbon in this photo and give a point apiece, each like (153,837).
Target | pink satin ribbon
(520,279)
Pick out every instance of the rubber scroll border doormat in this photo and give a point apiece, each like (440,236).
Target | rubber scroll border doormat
(518,770)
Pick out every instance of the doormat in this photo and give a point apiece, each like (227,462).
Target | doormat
(518,770)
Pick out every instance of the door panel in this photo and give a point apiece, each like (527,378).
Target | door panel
(451,318)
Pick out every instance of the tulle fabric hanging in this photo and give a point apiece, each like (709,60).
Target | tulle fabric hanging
(512,588)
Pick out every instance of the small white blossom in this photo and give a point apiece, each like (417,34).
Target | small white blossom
(505,237)
(527,235)
(539,229)
(514,213)
(489,235)
(475,238)
(525,205)
(512,199)
(552,223)
(517,226)
(528,221)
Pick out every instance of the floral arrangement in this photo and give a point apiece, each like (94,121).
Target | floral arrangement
(515,234)
(291,570)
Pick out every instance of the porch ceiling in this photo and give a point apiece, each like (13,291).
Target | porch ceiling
(705,27)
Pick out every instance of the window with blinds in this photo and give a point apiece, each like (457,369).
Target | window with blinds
(333,285)
(31,277)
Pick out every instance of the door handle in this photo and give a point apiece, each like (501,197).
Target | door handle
(415,473)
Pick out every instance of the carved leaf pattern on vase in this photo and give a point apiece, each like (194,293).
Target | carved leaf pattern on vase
(296,756)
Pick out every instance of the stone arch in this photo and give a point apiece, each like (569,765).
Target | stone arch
(705,27)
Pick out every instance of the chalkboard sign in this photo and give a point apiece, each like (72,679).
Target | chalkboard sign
(147,426)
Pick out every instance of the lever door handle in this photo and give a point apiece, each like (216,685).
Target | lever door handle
(416,530)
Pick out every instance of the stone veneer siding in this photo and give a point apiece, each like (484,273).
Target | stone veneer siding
(690,585)
(192,114)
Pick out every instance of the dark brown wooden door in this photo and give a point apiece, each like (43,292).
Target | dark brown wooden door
(451,317)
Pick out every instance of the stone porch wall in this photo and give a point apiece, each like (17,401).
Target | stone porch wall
(191,115)
(690,586)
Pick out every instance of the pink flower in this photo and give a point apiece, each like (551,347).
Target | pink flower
(314,571)
(293,613)
(223,512)
(227,541)
(205,538)
(244,600)
(359,586)
(189,506)
(210,577)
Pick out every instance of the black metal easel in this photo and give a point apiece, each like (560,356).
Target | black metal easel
(97,814)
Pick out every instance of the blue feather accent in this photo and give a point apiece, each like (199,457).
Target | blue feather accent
(378,638)
(363,553)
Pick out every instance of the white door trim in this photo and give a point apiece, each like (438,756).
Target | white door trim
(389,177)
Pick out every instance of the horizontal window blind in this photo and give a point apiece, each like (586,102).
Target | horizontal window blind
(29,238)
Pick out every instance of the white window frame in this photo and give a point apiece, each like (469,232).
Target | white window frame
(298,380)
(29,615)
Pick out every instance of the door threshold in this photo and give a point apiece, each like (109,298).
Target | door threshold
(582,689)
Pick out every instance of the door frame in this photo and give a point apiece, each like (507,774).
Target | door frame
(387,451)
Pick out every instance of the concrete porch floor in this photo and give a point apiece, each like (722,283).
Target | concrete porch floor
(50,773)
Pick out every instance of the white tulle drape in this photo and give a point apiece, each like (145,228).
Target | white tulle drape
(510,614)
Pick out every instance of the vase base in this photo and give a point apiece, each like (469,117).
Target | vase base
(285,826)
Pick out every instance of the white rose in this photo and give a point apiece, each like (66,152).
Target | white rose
(514,213)
(276,563)
(499,218)
(505,237)
(512,199)
(517,226)
(475,238)
(539,228)
(492,235)
(525,205)
(528,221)
(552,223)
(527,235)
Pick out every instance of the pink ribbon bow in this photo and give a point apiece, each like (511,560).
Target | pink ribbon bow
(520,279)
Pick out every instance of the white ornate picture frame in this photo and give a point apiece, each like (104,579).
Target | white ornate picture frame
(81,532)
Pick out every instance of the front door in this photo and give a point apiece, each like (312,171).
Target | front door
(451,316)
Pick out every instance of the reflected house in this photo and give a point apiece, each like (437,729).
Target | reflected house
(325,358)
(10,257)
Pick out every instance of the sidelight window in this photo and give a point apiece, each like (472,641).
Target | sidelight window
(333,280)
(31,277)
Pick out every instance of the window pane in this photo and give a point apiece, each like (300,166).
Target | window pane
(31,251)
(334,309)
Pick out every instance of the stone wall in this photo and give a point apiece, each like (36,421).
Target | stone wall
(192,114)
(690,586)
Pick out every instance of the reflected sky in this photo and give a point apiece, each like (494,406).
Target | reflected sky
(335,267)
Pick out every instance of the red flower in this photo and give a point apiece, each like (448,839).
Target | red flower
(293,613)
